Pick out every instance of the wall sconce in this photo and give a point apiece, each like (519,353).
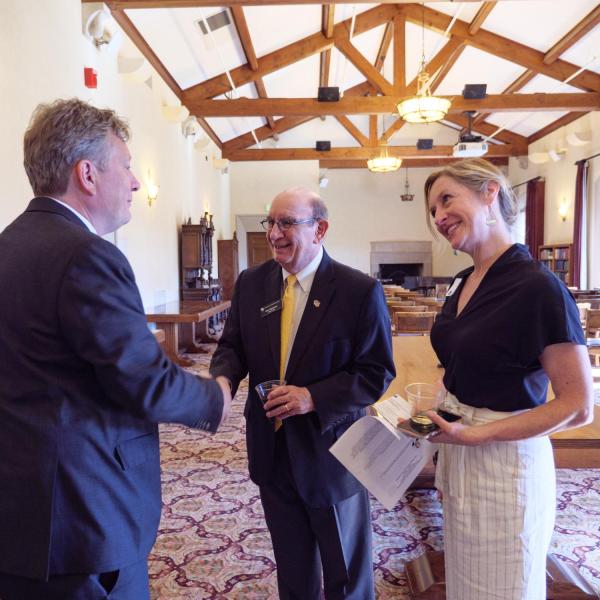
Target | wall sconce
(563,210)
(152,190)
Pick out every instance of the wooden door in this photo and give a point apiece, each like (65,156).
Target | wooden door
(259,250)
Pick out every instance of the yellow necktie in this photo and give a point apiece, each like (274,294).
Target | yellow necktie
(287,312)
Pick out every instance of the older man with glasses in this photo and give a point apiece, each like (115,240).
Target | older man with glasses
(324,329)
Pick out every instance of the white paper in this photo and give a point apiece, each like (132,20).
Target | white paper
(381,457)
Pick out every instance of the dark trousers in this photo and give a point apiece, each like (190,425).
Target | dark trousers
(128,583)
(334,540)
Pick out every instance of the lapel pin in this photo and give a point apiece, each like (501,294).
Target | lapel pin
(316,303)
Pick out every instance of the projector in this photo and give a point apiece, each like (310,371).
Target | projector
(469,145)
(469,149)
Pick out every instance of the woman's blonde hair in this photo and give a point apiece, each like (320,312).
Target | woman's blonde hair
(475,174)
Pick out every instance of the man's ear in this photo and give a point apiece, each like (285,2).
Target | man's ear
(322,227)
(86,176)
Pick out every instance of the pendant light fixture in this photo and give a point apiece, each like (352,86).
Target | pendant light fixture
(407,196)
(423,108)
(384,163)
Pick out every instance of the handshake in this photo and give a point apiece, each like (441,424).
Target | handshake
(225,386)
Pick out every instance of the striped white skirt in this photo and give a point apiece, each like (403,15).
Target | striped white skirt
(499,505)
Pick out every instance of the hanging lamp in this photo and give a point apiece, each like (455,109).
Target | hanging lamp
(407,196)
(384,163)
(423,108)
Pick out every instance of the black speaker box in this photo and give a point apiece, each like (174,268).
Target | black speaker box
(328,94)
(475,91)
(424,144)
(323,146)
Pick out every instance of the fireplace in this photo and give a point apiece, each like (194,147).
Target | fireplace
(401,259)
(396,273)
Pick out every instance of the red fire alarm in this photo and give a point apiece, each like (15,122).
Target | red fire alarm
(90,77)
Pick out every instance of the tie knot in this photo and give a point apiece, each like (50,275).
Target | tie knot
(291,280)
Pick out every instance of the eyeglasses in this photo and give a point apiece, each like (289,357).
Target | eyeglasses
(284,224)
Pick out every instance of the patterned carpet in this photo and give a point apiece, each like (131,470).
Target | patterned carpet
(213,542)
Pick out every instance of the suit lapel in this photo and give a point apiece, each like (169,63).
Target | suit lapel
(272,292)
(320,296)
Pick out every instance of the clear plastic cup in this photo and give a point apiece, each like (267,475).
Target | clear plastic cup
(423,397)
(263,389)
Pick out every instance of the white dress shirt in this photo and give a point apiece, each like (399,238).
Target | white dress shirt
(87,223)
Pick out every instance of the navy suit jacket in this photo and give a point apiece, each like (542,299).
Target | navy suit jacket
(342,353)
(83,384)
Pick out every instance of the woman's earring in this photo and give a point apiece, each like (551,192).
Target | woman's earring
(490,220)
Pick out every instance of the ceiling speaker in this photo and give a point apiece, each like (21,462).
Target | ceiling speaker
(328,94)
(323,146)
(475,91)
(425,144)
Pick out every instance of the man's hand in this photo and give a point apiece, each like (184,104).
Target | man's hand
(226,389)
(288,400)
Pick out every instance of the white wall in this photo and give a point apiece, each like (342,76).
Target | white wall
(560,184)
(43,52)
(363,207)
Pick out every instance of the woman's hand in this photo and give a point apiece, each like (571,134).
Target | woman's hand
(456,432)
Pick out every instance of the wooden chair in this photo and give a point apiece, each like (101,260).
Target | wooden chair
(441,289)
(410,322)
(592,323)
(412,308)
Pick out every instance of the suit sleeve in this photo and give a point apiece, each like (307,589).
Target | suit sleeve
(103,320)
(229,358)
(338,397)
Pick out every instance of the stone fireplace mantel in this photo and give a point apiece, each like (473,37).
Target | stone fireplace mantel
(416,252)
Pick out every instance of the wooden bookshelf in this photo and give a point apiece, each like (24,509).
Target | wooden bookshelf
(557,257)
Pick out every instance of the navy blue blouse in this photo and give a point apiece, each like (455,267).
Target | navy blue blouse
(491,351)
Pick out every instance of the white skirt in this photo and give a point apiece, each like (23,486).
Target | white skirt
(499,504)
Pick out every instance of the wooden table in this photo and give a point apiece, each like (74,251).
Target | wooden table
(172,314)
(416,361)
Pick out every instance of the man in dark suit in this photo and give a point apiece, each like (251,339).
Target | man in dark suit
(83,383)
(332,345)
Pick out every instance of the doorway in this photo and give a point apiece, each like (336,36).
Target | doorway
(259,250)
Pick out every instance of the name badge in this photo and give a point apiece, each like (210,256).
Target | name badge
(272,307)
(453,287)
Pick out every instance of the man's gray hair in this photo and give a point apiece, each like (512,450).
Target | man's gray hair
(61,134)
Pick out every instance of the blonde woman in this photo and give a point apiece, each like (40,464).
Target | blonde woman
(508,326)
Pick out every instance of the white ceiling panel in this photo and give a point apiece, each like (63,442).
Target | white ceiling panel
(305,135)
(537,23)
(342,73)
(524,123)
(188,54)
(274,27)
(476,66)
(434,42)
(345,11)
(467,10)
(541,84)
(587,49)
(368,43)
(298,80)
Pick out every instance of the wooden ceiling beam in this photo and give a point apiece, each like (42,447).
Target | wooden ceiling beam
(384,46)
(245,107)
(357,153)
(264,133)
(573,36)
(136,37)
(561,122)
(289,54)
(399,28)
(480,17)
(353,130)
(504,48)
(241,26)
(327,24)
(380,83)
(445,68)
(139,4)
(409,163)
